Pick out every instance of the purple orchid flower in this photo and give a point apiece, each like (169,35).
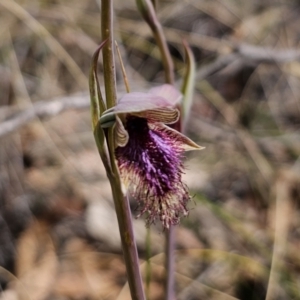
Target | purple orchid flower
(149,153)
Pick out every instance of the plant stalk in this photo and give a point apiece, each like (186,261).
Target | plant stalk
(108,53)
(120,200)
(170,264)
(128,241)
(148,12)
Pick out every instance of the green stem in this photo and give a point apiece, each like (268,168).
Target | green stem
(120,200)
(127,237)
(108,53)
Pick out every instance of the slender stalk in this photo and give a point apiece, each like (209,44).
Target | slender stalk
(170,247)
(166,56)
(154,3)
(108,53)
(148,12)
(120,200)
(170,264)
(127,237)
(125,78)
(148,268)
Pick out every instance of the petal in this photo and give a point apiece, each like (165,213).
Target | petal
(164,115)
(121,134)
(157,106)
(168,92)
(183,141)
(138,102)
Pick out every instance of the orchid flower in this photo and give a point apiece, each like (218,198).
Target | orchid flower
(149,153)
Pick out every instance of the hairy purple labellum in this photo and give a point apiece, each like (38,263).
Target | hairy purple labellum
(149,154)
(151,161)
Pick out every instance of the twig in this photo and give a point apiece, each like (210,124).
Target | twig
(266,54)
(44,109)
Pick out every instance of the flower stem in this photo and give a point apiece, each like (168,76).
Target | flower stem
(154,3)
(120,200)
(148,12)
(108,53)
(148,257)
(127,237)
(170,264)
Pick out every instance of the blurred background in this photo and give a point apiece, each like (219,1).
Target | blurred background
(58,231)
